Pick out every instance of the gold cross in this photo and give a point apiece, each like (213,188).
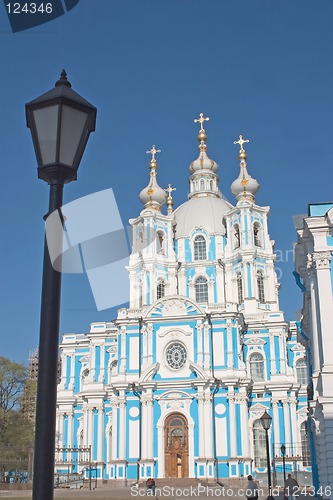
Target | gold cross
(170,189)
(201,120)
(153,152)
(241,141)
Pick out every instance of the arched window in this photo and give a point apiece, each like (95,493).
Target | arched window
(201,290)
(211,185)
(257,234)
(202,185)
(302,371)
(260,286)
(160,244)
(240,287)
(236,236)
(200,248)
(305,444)
(160,289)
(259,444)
(257,367)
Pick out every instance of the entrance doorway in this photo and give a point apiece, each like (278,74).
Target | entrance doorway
(176,446)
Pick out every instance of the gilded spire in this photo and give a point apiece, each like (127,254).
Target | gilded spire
(244,187)
(169,200)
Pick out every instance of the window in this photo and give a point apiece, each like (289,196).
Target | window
(240,287)
(302,372)
(257,367)
(160,243)
(160,289)
(260,286)
(199,248)
(176,356)
(257,234)
(201,290)
(236,236)
(305,445)
(259,444)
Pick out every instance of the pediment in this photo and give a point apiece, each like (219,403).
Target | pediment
(255,341)
(298,348)
(173,306)
(258,408)
(174,395)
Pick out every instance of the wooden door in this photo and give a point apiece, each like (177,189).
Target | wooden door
(176,446)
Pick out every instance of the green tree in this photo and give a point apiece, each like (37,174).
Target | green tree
(16,431)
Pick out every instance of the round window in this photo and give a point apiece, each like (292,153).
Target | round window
(176,356)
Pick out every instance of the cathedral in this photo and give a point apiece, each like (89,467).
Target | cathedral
(176,385)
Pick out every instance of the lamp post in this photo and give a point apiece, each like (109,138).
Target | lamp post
(60,122)
(283,453)
(266,420)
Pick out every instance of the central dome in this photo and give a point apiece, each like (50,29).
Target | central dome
(201,211)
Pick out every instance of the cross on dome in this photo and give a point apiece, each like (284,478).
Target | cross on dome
(241,141)
(153,152)
(169,189)
(201,120)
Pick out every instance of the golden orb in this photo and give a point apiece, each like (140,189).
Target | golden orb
(202,136)
(242,155)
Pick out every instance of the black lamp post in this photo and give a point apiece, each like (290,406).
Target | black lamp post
(266,420)
(283,453)
(60,122)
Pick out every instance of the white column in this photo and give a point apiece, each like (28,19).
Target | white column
(114,405)
(230,354)
(272,353)
(200,398)
(232,423)
(296,437)
(92,368)
(245,426)
(70,422)
(144,429)
(102,366)
(199,343)
(63,369)
(61,429)
(276,424)
(144,346)
(286,421)
(283,357)
(150,343)
(208,426)
(206,355)
(150,430)
(122,368)
(101,434)
(72,375)
(122,426)
(87,426)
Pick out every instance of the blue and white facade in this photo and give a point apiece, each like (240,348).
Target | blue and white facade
(313,263)
(176,385)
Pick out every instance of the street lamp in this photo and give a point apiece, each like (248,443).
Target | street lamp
(266,420)
(283,453)
(60,122)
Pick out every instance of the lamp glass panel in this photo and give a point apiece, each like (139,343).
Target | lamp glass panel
(72,126)
(46,120)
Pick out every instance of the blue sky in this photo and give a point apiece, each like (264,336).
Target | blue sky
(260,68)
